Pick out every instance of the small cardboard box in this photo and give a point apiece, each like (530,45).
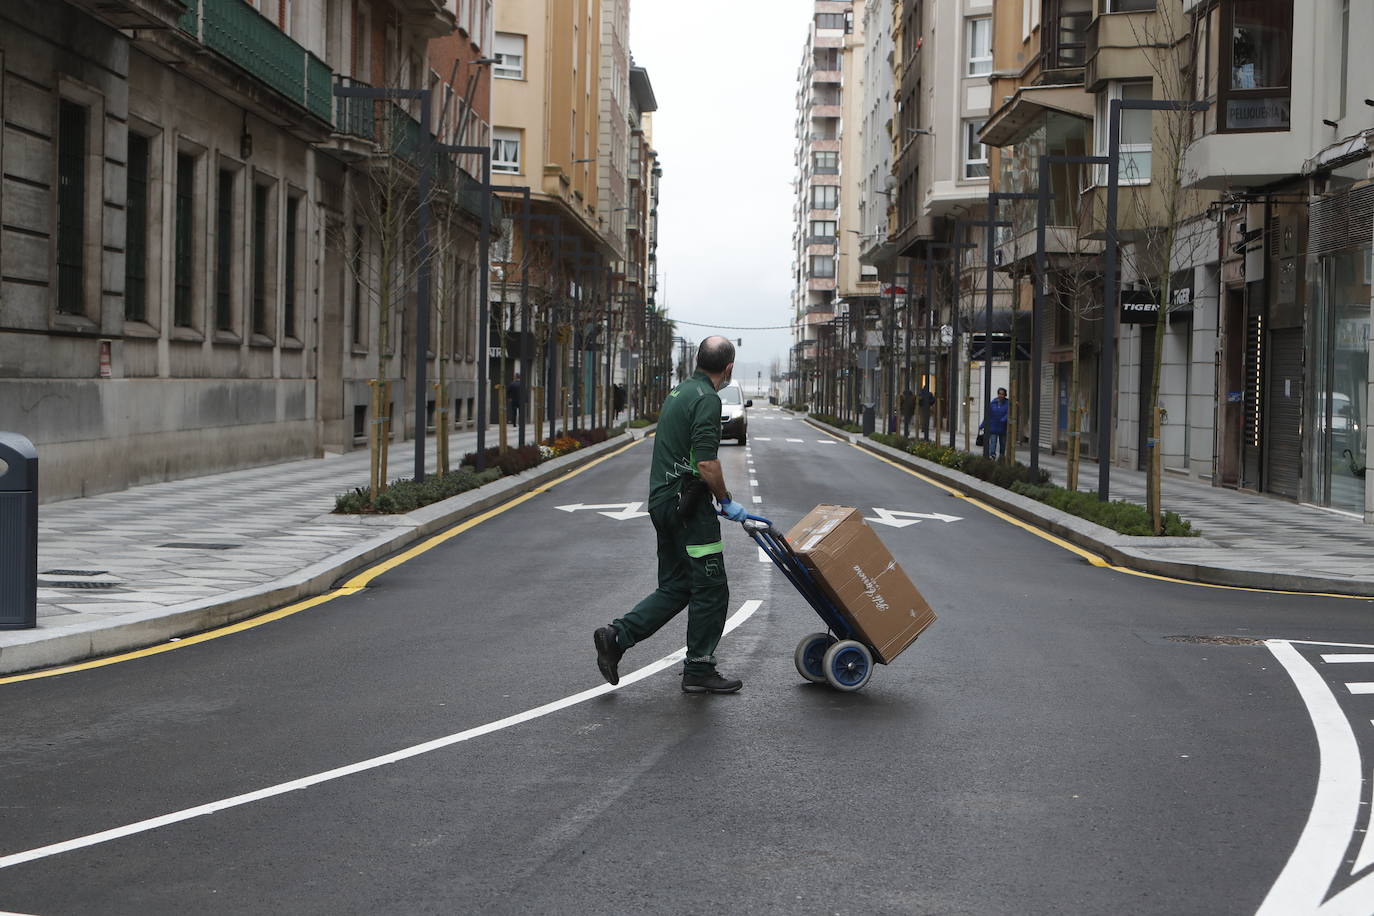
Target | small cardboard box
(857,573)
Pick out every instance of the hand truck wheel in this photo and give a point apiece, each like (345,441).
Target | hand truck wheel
(810,656)
(848,665)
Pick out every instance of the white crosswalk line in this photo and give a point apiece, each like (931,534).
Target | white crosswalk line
(1352,658)
(1359,687)
(753,482)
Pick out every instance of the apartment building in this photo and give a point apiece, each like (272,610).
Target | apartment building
(173,297)
(1286,139)
(639,291)
(940,66)
(817,211)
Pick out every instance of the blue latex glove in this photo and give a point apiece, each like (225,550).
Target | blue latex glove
(733,511)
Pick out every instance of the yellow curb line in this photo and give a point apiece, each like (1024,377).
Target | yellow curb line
(1093,558)
(351,587)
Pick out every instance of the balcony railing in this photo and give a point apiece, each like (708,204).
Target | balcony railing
(1066,41)
(353,116)
(244,36)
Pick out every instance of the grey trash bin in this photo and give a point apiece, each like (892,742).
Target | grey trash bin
(18,533)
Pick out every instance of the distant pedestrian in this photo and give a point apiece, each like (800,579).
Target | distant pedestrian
(995,426)
(618,398)
(683,476)
(908,410)
(925,400)
(515,399)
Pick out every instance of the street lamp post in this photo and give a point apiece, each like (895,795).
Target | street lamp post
(1109,278)
(991,223)
(484,291)
(1042,218)
(423,181)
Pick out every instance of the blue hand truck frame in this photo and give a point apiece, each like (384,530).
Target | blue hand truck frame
(837,657)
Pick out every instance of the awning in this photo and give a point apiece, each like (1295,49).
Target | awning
(1010,122)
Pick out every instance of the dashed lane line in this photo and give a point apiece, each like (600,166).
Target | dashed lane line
(745,611)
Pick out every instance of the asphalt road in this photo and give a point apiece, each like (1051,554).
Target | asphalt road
(1050,745)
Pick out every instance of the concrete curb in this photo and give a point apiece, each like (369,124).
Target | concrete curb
(1118,549)
(27,650)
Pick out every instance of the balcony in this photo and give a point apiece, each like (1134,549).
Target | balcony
(1114,48)
(825,77)
(134,14)
(249,40)
(429,18)
(824,111)
(1064,44)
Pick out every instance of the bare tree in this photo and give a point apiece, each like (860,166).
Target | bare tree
(1163,214)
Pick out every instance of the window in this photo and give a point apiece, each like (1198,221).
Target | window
(1136,127)
(822,265)
(1256,64)
(980,46)
(505,149)
(1130,6)
(826,59)
(73,126)
(136,231)
(224,251)
(824,197)
(288,305)
(182,313)
(830,21)
(823,229)
(826,163)
(263,245)
(510,56)
(975,153)
(356,268)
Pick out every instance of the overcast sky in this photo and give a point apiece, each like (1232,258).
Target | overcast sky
(724,133)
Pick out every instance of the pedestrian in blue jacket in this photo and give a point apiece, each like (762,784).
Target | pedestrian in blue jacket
(995,426)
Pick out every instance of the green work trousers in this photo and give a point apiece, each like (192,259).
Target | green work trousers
(691,574)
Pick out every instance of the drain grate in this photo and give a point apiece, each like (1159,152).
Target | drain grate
(193,545)
(1217,640)
(75,572)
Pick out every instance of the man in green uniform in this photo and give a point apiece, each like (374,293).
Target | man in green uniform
(684,474)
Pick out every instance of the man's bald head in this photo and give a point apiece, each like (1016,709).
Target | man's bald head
(714,354)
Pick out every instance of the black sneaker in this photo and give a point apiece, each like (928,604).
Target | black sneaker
(608,652)
(709,683)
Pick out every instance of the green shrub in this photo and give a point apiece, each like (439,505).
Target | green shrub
(993,471)
(795,408)
(828,420)
(640,423)
(1119,515)
(405,494)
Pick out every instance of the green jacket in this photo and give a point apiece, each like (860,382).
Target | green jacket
(688,431)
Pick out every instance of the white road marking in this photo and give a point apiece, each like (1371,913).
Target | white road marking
(745,611)
(1358,687)
(1348,658)
(753,481)
(1366,854)
(762,439)
(796,440)
(828,441)
(763,557)
(758,499)
(1317,857)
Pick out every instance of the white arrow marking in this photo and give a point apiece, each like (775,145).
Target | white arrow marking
(898,518)
(626,510)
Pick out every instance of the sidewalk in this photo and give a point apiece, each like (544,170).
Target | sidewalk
(1246,539)
(1244,530)
(114,568)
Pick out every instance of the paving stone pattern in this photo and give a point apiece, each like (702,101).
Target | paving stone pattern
(267,522)
(1245,530)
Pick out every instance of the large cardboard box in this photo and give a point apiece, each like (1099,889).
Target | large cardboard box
(856,572)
